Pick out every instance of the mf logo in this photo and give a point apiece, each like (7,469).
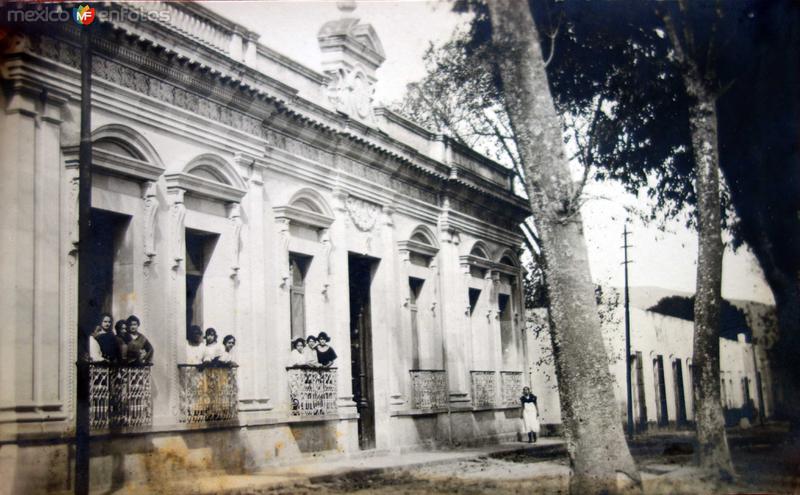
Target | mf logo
(83,14)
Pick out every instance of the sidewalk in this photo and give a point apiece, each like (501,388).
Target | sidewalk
(315,470)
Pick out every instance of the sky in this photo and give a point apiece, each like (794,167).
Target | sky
(664,259)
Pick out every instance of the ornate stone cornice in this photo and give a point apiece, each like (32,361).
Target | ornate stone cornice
(475,261)
(303,217)
(198,186)
(418,248)
(115,164)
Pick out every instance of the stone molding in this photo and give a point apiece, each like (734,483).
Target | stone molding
(411,246)
(302,216)
(198,186)
(115,164)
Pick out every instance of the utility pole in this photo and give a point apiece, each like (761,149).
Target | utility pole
(625,247)
(85,305)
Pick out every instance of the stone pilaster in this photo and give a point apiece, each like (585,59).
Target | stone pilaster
(454,324)
(339,296)
(176,319)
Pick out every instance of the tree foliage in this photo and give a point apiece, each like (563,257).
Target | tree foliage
(732,319)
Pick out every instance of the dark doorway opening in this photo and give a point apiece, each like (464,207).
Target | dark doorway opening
(639,402)
(108,270)
(362,269)
(506,331)
(199,248)
(661,391)
(680,395)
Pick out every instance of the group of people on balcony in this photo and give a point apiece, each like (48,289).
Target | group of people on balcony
(313,351)
(122,345)
(205,350)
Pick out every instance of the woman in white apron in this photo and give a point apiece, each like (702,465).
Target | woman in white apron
(530,414)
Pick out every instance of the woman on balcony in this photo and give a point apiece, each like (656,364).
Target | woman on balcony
(95,354)
(122,337)
(325,353)
(229,342)
(111,346)
(298,355)
(213,350)
(311,351)
(139,351)
(195,347)
(530,414)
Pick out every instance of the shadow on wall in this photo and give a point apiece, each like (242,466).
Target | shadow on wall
(315,437)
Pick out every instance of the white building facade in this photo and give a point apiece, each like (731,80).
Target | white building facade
(661,372)
(234,188)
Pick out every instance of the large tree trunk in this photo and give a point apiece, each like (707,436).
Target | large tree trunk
(784,353)
(595,440)
(712,444)
(711,450)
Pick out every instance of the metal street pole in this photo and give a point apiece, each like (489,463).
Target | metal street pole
(85,306)
(628,337)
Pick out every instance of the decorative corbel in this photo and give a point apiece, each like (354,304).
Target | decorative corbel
(74,225)
(151,204)
(406,302)
(325,290)
(177,228)
(327,248)
(388,215)
(405,256)
(235,217)
(283,232)
(433,308)
(340,200)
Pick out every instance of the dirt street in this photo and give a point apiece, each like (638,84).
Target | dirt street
(763,467)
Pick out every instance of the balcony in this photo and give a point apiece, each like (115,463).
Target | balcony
(428,390)
(312,391)
(207,393)
(484,388)
(511,387)
(119,396)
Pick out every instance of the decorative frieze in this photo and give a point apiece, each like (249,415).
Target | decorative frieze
(145,84)
(157,88)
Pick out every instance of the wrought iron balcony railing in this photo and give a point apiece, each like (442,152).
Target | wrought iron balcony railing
(484,388)
(511,387)
(207,393)
(428,389)
(312,391)
(119,395)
